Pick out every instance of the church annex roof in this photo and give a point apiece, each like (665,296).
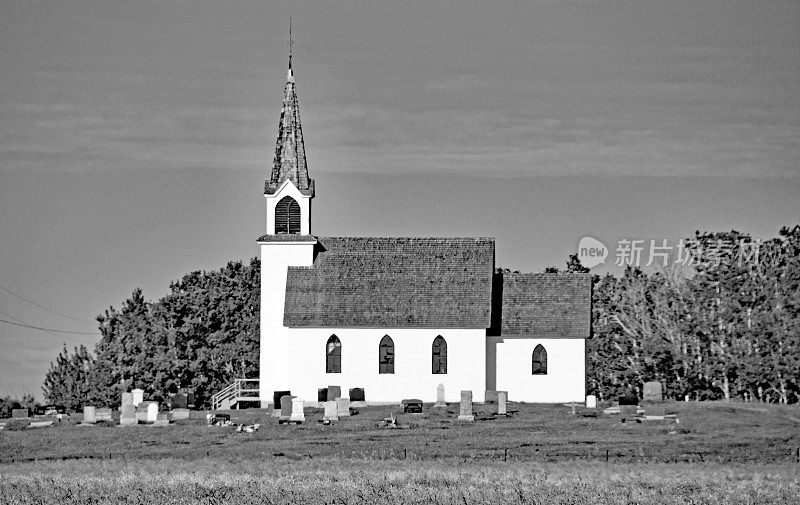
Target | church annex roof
(555,305)
(393,283)
(290,151)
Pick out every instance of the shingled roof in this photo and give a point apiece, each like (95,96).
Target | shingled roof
(290,151)
(393,283)
(555,305)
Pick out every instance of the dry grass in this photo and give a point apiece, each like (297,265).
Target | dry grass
(330,481)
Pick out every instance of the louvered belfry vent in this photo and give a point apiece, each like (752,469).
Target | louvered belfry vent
(287,216)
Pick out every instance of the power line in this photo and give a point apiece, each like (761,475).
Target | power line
(43,307)
(26,325)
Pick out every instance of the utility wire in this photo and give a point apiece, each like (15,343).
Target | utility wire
(43,307)
(26,325)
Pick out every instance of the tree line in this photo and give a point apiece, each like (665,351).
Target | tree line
(725,326)
(202,334)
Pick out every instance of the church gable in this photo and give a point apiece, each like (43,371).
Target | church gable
(547,305)
(393,282)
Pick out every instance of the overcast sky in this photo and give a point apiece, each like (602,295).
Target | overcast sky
(135,135)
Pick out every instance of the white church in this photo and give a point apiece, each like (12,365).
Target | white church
(399,316)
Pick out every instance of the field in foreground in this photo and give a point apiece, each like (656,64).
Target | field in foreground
(325,480)
(719,453)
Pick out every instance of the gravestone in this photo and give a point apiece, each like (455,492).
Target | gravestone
(298,415)
(331,411)
(138,396)
(89,414)
(653,392)
(178,401)
(357,395)
(628,400)
(179,414)
(276,402)
(152,412)
(286,408)
(343,407)
(103,414)
(162,419)
(465,414)
(628,410)
(141,413)
(334,392)
(20,413)
(127,398)
(491,397)
(502,402)
(127,415)
(440,403)
(221,419)
(322,394)
(591,402)
(412,406)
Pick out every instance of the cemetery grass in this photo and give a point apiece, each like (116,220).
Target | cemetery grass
(719,453)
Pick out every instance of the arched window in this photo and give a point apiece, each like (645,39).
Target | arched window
(386,355)
(287,216)
(439,353)
(539,361)
(333,355)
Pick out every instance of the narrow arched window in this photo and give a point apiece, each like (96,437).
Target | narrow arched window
(386,355)
(539,361)
(439,353)
(333,355)
(287,216)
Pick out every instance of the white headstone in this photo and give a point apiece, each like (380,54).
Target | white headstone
(466,407)
(89,415)
(152,412)
(331,411)
(440,397)
(343,407)
(138,396)
(591,402)
(502,401)
(103,414)
(297,411)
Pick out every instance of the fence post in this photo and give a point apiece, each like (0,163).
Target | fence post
(505,454)
(606,455)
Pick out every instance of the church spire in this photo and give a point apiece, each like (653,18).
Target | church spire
(290,152)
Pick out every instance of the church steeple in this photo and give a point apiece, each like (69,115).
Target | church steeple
(290,152)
